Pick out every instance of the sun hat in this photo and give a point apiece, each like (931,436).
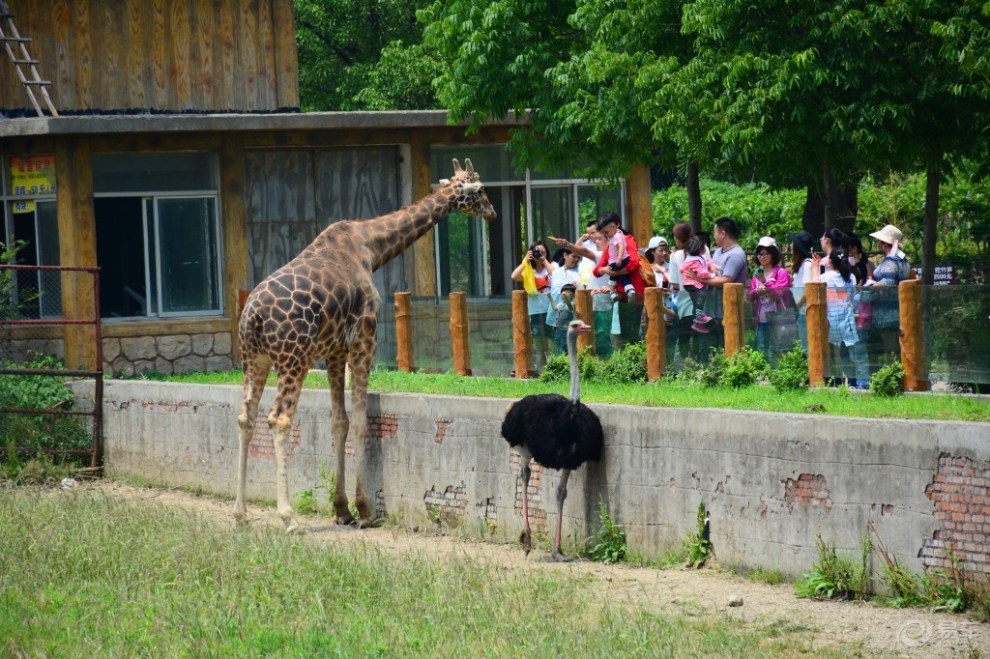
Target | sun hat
(766,241)
(656,241)
(889,234)
(804,242)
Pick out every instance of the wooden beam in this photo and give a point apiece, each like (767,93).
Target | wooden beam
(423,261)
(236,273)
(77,246)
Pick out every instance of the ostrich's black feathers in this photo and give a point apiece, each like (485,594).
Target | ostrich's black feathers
(559,433)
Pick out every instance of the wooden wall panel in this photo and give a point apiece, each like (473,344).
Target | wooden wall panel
(159,55)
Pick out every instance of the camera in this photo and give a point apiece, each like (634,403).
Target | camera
(760,272)
(665,284)
(537,253)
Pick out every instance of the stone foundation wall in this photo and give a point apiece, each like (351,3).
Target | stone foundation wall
(175,353)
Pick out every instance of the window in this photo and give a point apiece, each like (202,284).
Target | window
(478,256)
(157,235)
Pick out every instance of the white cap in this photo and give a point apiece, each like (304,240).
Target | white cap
(767,241)
(656,241)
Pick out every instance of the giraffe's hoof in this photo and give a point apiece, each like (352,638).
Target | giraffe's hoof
(558,557)
(241,517)
(370,523)
(345,520)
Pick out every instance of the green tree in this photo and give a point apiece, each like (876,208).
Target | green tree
(359,55)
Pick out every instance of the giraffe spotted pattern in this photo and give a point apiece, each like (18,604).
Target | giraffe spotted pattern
(323,305)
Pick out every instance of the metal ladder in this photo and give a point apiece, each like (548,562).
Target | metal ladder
(11,40)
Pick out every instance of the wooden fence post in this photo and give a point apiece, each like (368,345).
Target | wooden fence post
(732,318)
(582,306)
(523,347)
(912,335)
(460,334)
(404,332)
(656,335)
(817,323)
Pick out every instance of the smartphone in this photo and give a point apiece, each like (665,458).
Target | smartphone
(664,284)
(760,272)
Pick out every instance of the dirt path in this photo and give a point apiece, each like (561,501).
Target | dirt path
(878,631)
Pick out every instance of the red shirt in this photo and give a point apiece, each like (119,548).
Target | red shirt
(632,251)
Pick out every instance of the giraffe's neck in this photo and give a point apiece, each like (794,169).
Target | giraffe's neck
(387,236)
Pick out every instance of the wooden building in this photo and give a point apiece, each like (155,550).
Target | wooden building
(180,165)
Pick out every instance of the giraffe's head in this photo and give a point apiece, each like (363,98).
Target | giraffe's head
(470,197)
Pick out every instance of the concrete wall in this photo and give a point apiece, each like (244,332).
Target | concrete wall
(771,481)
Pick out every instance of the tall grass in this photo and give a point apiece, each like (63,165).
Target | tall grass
(83,575)
(668,393)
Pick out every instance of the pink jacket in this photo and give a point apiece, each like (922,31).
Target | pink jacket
(695,271)
(775,289)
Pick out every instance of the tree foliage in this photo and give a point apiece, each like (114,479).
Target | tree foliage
(360,55)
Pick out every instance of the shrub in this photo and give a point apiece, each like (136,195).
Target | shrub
(742,369)
(627,365)
(791,371)
(888,381)
(698,545)
(608,544)
(557,369)
(835,576)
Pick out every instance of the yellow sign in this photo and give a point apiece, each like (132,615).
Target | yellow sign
(31,176)
(24,206)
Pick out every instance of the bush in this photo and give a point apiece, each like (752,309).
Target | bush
(888,381)
(742,369)
(835,576)
(627,365)
(791,372)
(558,368)
(698,545)
(608,545)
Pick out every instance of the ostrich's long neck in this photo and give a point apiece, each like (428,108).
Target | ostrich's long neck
(387,236)
(575,372)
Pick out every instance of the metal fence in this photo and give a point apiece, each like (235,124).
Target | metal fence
(50,333)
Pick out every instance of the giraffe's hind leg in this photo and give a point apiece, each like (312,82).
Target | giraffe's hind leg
(280,422)
(361,355)
(336,366)
(255,375)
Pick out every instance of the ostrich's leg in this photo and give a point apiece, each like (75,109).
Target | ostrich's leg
(280,422)
(526,537)
(561,495)
(339,424)
(255,374)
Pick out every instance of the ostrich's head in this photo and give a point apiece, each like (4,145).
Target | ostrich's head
(470,197)
(578,327)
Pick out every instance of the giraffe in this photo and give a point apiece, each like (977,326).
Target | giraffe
(323,305)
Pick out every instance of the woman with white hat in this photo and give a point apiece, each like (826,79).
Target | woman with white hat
(892,269)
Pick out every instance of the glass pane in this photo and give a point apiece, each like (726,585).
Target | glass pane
(553,215)
(593,202)
(50,283)
(120,253)
(187,253)
(464,254)
(957,344)
(154,172)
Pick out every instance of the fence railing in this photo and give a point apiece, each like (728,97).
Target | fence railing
(939,333)
(36,331)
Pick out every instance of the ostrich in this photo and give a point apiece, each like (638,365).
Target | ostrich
(557,432)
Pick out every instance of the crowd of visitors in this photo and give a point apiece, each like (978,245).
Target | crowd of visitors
(860,294)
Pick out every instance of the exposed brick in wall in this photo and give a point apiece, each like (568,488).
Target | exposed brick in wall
(537,515)
(383,426)
(961,496)
(807,490)
(442,425)
(447,507)
(262,444)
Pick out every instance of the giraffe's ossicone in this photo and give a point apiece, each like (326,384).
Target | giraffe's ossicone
(323,305)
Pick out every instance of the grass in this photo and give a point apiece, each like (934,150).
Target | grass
(83,574)
(667,393)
